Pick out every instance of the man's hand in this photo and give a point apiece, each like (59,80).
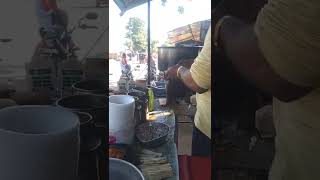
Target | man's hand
(187,63)
(185,77)
(171,73)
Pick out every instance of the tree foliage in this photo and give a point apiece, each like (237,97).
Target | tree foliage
(136,35)
(154,46)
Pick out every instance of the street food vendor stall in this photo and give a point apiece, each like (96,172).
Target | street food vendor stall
(141,146)
(143,129)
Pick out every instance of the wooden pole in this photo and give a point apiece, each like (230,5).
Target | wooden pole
(149,48)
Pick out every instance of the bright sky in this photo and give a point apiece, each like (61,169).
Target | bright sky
(163,19)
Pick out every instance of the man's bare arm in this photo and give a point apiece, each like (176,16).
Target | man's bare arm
(186,78)
(241,47)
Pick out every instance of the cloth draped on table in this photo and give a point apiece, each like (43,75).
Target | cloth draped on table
(201,73)
(288,32)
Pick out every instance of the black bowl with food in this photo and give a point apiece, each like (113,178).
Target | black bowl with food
(152,134)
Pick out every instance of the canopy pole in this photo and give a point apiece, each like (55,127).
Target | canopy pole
(149,49)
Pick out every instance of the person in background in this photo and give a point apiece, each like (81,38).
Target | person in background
(124,63)
(53,22)
(198,79)
(280,53)
(124,59)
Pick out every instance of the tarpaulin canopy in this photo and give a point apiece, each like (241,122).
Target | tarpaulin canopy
(125,5)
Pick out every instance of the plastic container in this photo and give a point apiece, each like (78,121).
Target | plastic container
(121,118)
(38,142)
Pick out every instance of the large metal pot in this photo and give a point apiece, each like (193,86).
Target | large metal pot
(88,137)
(95,105)
(90,87)
(89,143)
(169,56)
(137,93)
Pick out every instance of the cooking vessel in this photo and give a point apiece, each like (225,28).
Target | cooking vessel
(88,137)
(143,89)
(169,56)
(159,89)
(123,170)
(90,87)
(95,105)
(141,105)
(86,121)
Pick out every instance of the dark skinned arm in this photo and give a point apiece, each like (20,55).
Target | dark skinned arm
(201,67)
(241,47)
(186,78)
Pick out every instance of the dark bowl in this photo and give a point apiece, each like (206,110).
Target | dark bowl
(137,93)
(152,134)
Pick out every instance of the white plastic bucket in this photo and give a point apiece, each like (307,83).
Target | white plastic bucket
(121,118)
(38,143)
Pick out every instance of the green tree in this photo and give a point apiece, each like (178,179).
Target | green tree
(154,46)
(136,35)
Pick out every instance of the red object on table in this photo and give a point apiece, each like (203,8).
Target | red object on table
(194,168)
(112,140)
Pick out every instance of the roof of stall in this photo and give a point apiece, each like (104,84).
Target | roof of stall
(125,5)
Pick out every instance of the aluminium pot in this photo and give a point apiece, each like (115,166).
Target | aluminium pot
(123,170)
(90,86)
(95,105)
(170,56)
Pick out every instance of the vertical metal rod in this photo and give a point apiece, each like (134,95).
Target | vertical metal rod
(149,48)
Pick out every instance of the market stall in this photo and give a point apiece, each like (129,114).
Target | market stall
(143,129)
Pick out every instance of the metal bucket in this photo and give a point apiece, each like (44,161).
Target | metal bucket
(89,143)
(141,105)
(87,130)
(98,87)
(123,170)
(96,105)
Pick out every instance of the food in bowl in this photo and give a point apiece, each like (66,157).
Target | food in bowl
(116,153)
(152,133)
